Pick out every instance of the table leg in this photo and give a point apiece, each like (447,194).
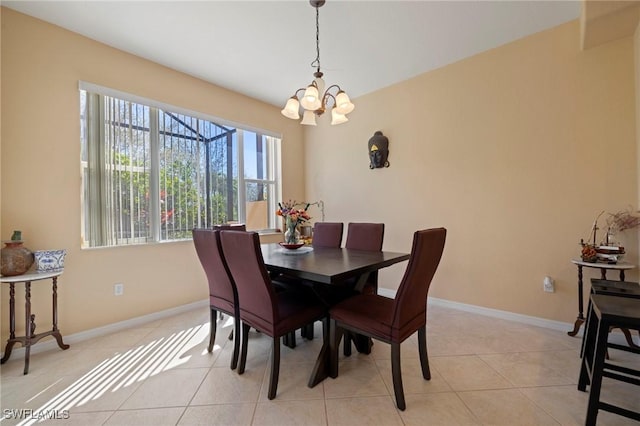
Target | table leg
(322,367)
(580,319)
(56,332)
(629,338)
(12,323)
(27,325)
(621,274)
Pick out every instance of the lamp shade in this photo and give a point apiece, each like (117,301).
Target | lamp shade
(309,118)
(291,108)
(343,103)
(337,118)
(311,100)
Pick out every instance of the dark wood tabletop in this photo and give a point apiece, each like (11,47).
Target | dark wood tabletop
(328,265)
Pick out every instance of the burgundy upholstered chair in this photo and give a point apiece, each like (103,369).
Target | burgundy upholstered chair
(273,314)
(230,227)
(369,237)
(223,296)
(327,234)
(365,236)
(394,320)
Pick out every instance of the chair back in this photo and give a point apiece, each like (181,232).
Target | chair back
(209,250)
(231,227)
(327,234)
(410,304)
(256,295)
(365,236)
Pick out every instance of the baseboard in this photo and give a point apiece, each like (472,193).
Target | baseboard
(615,337)
(489,312)
(45,345)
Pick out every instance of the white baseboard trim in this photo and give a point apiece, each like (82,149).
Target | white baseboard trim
(495,313)
(615,337)
(49,344)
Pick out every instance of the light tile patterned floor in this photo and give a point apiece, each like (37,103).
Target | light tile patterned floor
(484,371)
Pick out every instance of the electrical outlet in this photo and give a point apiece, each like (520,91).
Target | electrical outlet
(118,289)
(548,285)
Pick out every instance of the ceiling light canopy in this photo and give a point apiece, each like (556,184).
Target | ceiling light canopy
(315,99)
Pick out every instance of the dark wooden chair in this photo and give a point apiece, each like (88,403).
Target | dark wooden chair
(394,320)
(223,296)
(273,313)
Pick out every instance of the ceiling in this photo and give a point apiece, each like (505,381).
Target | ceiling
(264,49)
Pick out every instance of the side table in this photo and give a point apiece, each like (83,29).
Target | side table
(604,267)
(30,338)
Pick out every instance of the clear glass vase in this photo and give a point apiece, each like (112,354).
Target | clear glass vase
(291,235)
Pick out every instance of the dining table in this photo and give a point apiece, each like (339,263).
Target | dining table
(327,266)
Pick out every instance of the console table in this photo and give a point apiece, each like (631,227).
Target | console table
(30,338)
(604,267)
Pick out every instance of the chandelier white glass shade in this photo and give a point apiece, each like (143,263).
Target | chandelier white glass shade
(315,99)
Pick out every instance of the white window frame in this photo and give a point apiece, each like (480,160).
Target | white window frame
(273,172)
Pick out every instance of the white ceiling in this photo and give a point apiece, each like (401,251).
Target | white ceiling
(264,49)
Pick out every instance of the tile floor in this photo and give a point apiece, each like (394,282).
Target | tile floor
(484,371)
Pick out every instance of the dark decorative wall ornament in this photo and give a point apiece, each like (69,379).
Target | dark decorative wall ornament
(378,150)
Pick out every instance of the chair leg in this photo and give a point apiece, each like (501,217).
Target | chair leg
(596,374)
(335,333)
(422,348)
(236,343)
(243,351)
(275,368)
(307,331)
(396,372)
(212,332)
(347,343)
(289,340)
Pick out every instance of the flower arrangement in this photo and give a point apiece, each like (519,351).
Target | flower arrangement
(293,216)
(289,211)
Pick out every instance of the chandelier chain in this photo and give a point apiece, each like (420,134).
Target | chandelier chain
(316,62)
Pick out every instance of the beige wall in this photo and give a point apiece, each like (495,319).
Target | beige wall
(636,50)
(41,66)
(514,151)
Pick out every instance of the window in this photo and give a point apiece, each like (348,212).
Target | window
(152,173)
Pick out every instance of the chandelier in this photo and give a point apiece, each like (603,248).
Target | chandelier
(315,99)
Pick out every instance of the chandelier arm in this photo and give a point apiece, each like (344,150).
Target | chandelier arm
(331,87)
(325,98)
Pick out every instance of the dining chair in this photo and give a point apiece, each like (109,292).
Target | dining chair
(272,313)
(223,296)
(230,227)
(393,320)
(368,237)
(327,234)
